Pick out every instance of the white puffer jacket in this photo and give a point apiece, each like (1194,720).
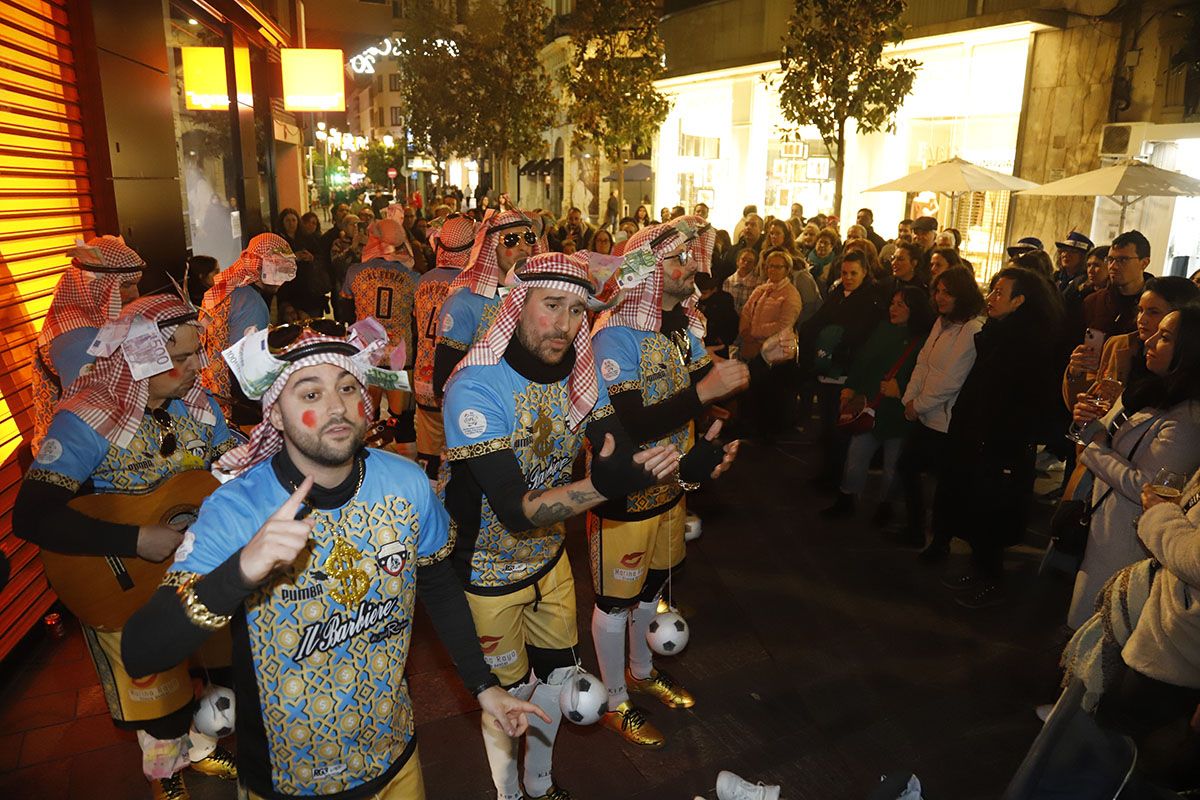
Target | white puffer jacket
(942,366)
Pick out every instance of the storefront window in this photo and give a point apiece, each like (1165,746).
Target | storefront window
(207,163)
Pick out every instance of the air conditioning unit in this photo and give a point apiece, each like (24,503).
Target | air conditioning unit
(1124,139)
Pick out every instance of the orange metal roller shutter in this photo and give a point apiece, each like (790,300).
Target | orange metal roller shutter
(45,203)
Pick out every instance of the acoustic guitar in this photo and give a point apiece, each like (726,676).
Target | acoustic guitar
(104,591)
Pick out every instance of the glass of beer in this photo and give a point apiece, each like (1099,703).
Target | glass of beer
(1169,485)
(1102,394)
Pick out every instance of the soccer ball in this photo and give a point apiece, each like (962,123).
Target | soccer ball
(583,698)
(668,633)
(215,713)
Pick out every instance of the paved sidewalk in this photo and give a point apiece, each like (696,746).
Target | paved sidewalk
(821,658)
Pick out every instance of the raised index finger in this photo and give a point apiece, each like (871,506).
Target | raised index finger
(292,504)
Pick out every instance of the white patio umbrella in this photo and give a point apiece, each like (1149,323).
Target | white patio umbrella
(955,177)
(1125,184)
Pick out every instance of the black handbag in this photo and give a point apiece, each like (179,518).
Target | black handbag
(1072,519)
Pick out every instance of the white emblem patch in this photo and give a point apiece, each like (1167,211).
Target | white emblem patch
(472,423)
(610,369)
(51,451)
(185,547)
(447,323)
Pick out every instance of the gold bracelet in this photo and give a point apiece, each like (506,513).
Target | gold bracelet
(196,611)
(687,487)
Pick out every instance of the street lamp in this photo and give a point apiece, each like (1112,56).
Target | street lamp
(388,141)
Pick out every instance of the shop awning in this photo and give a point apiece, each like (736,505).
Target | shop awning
(528,168)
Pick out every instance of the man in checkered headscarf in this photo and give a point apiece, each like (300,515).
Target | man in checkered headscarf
(102,278)
(319,547)
(659,377)
(238,303)
(452,242)
(517,411)
(502,241)
(135,419)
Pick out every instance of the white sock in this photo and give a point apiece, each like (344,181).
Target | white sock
(608,634)
(641,658)
(539,739)
(201,745)
(501,750)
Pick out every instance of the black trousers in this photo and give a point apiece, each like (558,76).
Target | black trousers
(772,396)
(924,452)
(985,496)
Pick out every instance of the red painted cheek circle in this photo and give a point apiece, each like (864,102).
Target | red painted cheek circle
(309,418)
(173,372)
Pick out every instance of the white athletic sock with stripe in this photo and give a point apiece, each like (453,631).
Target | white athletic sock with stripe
(641,659)
(608,634)
(501,750)
(539,738)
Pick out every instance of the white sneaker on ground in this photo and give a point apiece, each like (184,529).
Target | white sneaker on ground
(731,787)
(691,529)
(1043,711)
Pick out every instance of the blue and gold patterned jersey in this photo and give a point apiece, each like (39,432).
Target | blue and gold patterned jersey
(492,408)
(326,642)
(657,366)
(74,456)
(384,290)
(465,318)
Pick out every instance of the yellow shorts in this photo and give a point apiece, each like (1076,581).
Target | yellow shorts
(409,784)
(541,614)
(431,434)
(135,699)
(623,551)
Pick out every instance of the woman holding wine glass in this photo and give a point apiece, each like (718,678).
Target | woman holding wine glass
(1122,357)
(1153,425)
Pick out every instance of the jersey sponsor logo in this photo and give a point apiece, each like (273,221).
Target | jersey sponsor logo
(185,547)
(51,451)
(502,660)
(472,423)
(321,637)
(630,569)
(447,323)
(610,369)
(392,557)
(328,771)
(488,644)
(631,560)
(300,595)
(150,688)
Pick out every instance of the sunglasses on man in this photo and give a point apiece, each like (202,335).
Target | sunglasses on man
(511,239)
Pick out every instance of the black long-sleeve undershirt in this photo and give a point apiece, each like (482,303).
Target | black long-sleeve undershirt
(445,359)
(650,423)
(41,515)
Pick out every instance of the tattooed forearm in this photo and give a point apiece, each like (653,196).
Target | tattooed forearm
(550,513)
(584,496)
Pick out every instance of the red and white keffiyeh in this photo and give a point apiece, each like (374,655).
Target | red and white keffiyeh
(89,292)
(555,271)
(387,239)
(482,274)
(641,308)
(108,398)
(453,240)
(246,270)
(266,440)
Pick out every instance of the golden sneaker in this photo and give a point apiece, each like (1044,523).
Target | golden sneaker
(631,722)
(172,788)
(554,793)
(219,763)
(662,686)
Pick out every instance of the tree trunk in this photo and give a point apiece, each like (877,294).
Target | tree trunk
(839,166)
(620,185)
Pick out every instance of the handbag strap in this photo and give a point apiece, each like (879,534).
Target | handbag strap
(1132,453)
(891,373)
